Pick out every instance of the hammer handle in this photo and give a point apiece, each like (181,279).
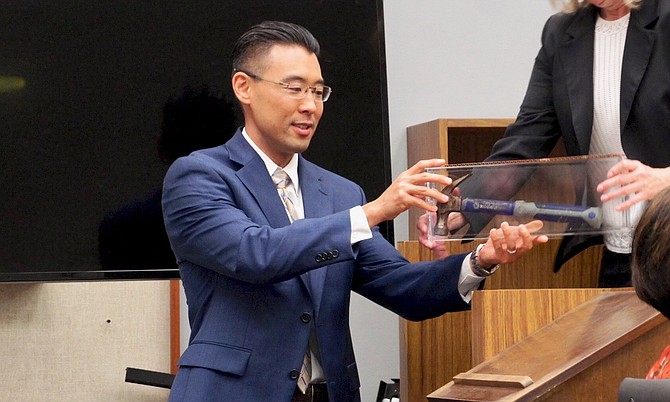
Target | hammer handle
(546,212)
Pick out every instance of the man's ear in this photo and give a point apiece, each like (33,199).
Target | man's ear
(242,87)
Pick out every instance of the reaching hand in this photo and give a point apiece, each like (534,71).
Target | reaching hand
(508,243)
(439,248)
(503,246)
(408,190)
(631,177)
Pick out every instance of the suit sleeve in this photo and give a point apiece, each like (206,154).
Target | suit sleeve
(415,291)
(208,226)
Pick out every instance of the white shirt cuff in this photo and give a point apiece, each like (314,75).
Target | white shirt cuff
(360,229)
(468,281)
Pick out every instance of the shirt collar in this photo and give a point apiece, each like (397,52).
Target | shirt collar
(291,168)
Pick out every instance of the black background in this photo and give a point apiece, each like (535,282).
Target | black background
(78,142)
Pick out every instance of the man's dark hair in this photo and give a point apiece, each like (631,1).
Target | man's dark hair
(651,254)
(261,37)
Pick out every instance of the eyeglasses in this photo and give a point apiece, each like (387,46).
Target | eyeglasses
(296,90)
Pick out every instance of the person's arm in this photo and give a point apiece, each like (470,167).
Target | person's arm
(210,223)
(469,280)
(408,190)
(504,245)
(428,289)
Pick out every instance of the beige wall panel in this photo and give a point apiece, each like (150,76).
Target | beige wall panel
(73,341)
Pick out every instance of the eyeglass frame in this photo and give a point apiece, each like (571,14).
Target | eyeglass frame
(287,86)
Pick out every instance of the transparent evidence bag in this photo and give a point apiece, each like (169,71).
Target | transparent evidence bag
(561,192)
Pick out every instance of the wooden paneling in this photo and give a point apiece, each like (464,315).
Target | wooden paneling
(455,140)
(432,351)
(502,318)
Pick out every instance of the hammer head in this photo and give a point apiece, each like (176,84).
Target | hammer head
(445,208)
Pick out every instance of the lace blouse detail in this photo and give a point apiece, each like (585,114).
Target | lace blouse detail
(604,27)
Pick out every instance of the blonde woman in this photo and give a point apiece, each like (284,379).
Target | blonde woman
(601,82)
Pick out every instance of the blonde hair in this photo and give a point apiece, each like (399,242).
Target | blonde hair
(574,5)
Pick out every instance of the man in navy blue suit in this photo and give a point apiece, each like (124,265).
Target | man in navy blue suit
(268,272)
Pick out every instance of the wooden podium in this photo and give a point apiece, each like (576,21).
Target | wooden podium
(583,354)
(433,351)
(493,350)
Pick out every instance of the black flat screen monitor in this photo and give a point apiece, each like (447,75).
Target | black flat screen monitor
(83,85)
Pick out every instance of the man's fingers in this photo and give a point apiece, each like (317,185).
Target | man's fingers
(534,226)
(422,165)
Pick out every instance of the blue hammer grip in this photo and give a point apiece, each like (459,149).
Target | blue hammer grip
(494,207)
(546,212)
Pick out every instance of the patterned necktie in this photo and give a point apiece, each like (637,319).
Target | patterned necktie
(281,180)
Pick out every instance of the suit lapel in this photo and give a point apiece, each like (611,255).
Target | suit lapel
(639,43)
(316,200)
(254,175)
(576,56)
(317,203)
(315,197)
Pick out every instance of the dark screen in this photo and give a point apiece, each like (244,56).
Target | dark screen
(83,85)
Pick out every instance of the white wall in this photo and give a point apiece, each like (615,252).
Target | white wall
(445,58)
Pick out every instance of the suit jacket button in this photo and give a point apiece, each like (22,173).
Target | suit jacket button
(294,374)
(305,317)
(329,255)
(318,258)
(335,253)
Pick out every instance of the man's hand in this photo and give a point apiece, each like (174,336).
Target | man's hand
(408,190)
(517,239)
(438,247)
(455,221)
(508,243)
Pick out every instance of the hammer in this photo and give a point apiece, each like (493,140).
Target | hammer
(547,212)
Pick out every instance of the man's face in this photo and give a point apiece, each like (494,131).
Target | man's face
(279,124)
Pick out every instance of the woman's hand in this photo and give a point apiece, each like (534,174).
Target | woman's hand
(633,178)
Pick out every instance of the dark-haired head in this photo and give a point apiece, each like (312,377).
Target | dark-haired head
(651,254)
(257,41)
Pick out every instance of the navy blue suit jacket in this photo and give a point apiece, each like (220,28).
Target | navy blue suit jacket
(242,265)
